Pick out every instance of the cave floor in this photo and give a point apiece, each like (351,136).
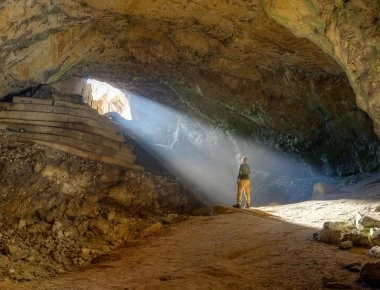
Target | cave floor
(241,250)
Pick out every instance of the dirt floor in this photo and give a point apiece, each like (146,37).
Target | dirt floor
(228,251)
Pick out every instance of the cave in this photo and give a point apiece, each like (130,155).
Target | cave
(126,122)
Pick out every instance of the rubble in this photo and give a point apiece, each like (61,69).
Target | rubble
(59,212)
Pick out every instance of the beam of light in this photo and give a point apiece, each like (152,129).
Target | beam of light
(208,157)
(110,98)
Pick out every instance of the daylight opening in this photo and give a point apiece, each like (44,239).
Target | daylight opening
(106,98)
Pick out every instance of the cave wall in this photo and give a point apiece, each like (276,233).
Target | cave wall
(238,65)
(348,31)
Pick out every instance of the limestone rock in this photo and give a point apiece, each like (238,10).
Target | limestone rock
(358,239)
(310,45)
(346,245)
(363,221)
(330,236)
(334,226)
(44,232)
(374,252)
(374,233)
(151,230)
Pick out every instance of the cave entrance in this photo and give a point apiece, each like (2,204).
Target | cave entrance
(105,98)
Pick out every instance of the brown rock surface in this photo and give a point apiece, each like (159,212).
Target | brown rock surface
(273,69)
(232,251)
(57,211)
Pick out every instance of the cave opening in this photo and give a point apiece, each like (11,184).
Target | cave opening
(120,120)
(106,98)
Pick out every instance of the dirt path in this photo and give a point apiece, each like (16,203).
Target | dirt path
(235,251)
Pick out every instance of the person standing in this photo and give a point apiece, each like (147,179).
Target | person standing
(244,185)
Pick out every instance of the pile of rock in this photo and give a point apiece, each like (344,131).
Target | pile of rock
(361,231)
(60,211)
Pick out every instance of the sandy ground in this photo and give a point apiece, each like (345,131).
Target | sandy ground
(243,250)
(361,197)
(229,251)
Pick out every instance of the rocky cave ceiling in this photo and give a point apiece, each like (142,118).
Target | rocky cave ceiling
(296,73)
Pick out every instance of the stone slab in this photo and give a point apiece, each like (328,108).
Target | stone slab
(77,99)
(85,154)
(79,144)
(43,116)
(73,105)
(79,135)
(27,100)
(55,109)
(67,125)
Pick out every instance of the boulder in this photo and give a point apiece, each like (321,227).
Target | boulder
(374,252)
(370,274)
(151,230)
(334,226)
(346,245)
(363,221)
(358,239)
(330,236)
(374,233)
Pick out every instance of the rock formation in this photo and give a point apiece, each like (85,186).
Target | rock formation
(293,74)
(60,211)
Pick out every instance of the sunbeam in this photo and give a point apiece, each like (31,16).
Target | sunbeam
(208,157)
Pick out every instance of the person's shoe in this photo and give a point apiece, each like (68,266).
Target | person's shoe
(237,205)
(247,206)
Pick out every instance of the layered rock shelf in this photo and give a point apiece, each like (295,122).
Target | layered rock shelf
(67,124)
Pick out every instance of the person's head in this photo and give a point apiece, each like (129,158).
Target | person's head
(245,160)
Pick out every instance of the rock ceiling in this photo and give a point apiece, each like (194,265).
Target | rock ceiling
(298,68)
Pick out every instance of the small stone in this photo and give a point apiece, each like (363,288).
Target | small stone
(111,215)
(358,239)
(374,252)
(151,230)
(374,233)
(85,253)
(22,224)
(56,226)
(346,245)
